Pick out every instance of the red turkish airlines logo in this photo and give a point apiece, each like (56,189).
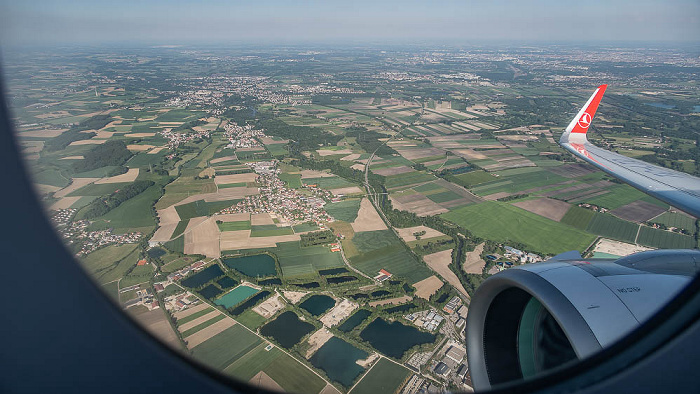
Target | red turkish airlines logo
(585,120)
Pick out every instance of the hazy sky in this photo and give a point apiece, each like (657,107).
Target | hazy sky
(462,21)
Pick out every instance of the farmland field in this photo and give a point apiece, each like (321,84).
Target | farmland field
(515,224)
(270,230)
(618,196)
(382,250)
(384,377)
(333,182)
(345,210)
(611,227)
(675,219)
(296,260)
(202,208)
(222,349)
(234,226)
(578,217)
(287,372)
(664,239)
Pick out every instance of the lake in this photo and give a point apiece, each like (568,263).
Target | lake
(661,105)
(379,293)
(202,276)
(287,329)
(235,296)
(340,279)
(394,339)
(257,265)
(210,291)
(332,271)
(354,320)
(400,308)
(338,359)
(310,285)
(227,282)
(317,304)
(249,303)
(270,282)
(358,296)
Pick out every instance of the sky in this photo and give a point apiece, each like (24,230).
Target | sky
(39,22)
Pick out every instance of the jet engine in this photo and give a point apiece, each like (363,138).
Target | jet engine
(533,318)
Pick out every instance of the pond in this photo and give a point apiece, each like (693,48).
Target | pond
(270,282)
(340,279)
(394,339)
(354,320)
(443,298)
(257,265)
(235,296)
(400,308)
(332,271)
(210,291)
(379,293)
(661,105)
(338,359)
(317,304)
(156,252)
(358,296)
(202,276)
(227,282)
(249,303)
(310,285)
(287,329)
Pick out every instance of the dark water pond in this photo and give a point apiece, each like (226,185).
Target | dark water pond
(249,303)
(270,282)
(310,285)
(394,339)
(442,298)
(332,271)
(340,279)
(287,329)
(379,293)
(210,291)
(338,359)
(317,304)
(358,296)
(256,265)
(203,276)
(227,282)
(354,320)
(400,308)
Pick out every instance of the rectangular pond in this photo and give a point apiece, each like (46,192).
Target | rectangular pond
(258,265)
(394,339)
(202,276)
(338,359)
(287,329)
(355,320)
(236,296)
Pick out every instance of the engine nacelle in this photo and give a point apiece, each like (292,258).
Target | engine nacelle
(536,317)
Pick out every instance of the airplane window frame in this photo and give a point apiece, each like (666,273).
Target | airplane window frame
(679,316)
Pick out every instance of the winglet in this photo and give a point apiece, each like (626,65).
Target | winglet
(579,125)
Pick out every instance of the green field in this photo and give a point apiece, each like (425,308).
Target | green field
(222,349)
(445,196)
(308,226)
(611,227)
(578,217)
(517,181)
(664,239)
(287,372)
(384,377)
(292,180)
(409,178)
(111,262)
(617,196)
(503,222)
(140,274)
(181,226)
(135,212)
(230,185)
(251,319)
(676,219)
(331,182)
(234,226)
(51,177)
(296,260)
(383,250)
(345,210)
(194,316)
(98,190)
(203,325)
(270,230)
(202,208)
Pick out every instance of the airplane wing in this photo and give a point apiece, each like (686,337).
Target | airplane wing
(675,188)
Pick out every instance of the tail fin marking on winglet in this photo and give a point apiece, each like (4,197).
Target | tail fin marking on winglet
(585,116)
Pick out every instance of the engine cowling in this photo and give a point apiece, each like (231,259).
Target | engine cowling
(533,318)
